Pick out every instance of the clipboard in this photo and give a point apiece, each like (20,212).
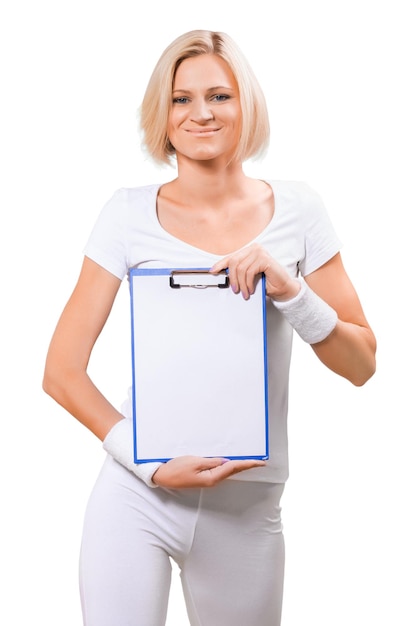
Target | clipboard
(199,366)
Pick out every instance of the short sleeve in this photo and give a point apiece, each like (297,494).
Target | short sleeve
(107,243)
(321,242)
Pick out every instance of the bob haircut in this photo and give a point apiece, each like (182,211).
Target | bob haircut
(157,101)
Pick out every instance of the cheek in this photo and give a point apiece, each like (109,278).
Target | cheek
(236,118)
(170,121)
(174,120)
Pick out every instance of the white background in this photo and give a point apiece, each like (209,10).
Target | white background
(340,80)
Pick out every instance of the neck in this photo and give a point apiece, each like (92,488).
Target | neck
(203,181)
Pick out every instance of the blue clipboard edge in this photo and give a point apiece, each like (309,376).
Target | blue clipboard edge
(167,271)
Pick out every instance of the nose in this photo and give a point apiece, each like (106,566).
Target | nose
(201,111)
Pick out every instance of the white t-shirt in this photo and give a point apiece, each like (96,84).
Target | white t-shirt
(299,236)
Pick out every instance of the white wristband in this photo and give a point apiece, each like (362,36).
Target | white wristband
(119,444)
(308,314)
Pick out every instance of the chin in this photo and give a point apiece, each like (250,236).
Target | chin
(206,155)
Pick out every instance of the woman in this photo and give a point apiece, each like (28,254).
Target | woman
(204,108)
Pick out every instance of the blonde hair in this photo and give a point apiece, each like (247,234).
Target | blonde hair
(157,101)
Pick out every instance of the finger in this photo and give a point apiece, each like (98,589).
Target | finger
(238,265)
(229,468)
(247,273)
(207,463)
(230,260)
(244,464)
(250,278)
(219,266)
(191,471)
(223,265)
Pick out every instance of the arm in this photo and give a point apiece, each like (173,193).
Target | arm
(349,350)
(67,381)
(65,377)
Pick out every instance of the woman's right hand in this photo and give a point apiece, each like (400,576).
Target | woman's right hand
(195,472)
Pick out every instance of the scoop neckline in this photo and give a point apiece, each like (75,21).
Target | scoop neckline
(207,252)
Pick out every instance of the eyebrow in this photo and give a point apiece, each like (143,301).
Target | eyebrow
(217,88)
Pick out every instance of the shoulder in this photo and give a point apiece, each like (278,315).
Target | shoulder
(127,202)
(130,195)
(293,189)
(297,198)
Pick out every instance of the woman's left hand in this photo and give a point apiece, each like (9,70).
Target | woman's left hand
(350,348)
(247,264)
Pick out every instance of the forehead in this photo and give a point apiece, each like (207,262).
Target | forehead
(204,71)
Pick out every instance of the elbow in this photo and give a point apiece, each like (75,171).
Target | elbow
(361,380)
(61,382)
(362,375)
(48,384)
(365,366)
(52,382)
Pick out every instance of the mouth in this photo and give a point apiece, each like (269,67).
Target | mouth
(202,132)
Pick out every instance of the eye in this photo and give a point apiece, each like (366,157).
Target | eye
(180,100)
(220,97)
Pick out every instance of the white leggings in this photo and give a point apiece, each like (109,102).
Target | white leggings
(227,541)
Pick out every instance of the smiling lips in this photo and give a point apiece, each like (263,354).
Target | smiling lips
(202,132)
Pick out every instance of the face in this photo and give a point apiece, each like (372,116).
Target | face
(205,118)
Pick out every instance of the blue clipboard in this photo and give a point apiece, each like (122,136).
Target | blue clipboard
(199,366)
